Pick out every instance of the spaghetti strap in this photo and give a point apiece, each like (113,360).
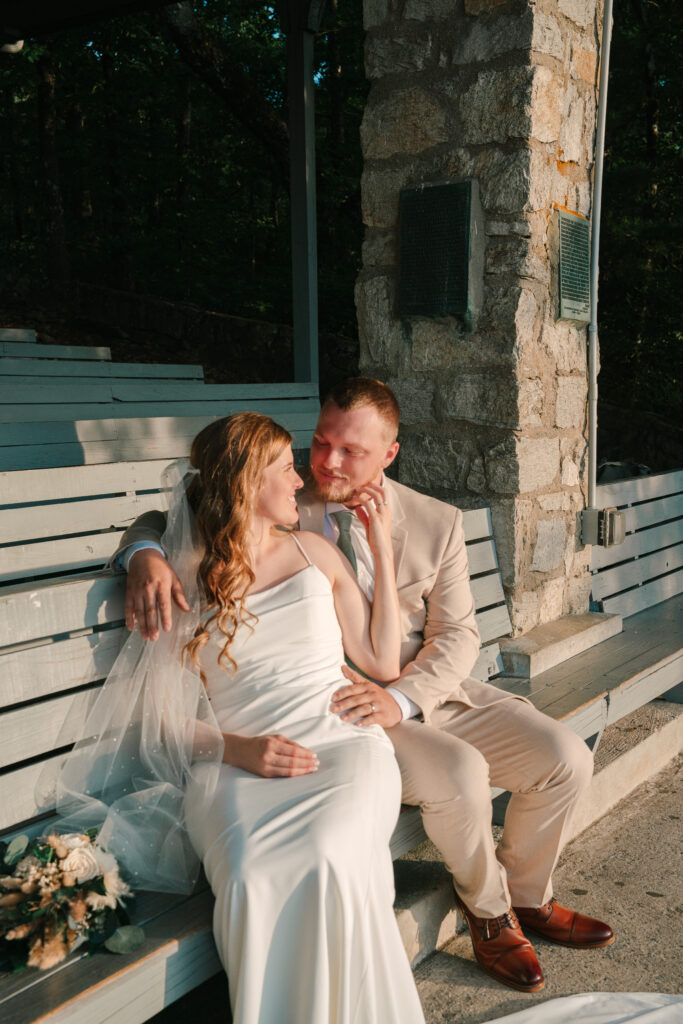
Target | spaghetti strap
(300,547)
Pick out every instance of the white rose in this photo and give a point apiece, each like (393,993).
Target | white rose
(74,840)
(82,864)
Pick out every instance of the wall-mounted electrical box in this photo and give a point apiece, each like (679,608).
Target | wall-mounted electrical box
(603,526)
(574,266)
(441,241)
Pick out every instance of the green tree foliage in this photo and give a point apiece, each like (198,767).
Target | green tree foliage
(641,260)
(170,188)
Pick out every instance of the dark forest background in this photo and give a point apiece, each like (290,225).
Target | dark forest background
(148,153)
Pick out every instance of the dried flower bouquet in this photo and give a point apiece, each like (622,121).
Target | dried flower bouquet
(56,892)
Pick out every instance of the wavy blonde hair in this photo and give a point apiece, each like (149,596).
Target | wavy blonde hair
(231,455)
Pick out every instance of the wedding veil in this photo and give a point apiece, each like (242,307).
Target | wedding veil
(150,733)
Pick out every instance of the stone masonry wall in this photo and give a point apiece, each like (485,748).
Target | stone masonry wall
(503,92)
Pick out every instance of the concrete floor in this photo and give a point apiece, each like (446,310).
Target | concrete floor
(625,869)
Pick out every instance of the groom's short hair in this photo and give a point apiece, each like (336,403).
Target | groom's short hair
(355,392)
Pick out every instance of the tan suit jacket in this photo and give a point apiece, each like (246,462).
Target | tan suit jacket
(440,637)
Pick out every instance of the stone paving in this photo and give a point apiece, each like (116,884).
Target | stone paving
(625,869)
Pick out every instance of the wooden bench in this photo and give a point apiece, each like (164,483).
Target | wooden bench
(642,580)
(61,626)
(60,630)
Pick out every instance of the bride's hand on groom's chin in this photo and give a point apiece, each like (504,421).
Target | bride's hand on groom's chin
(271,757)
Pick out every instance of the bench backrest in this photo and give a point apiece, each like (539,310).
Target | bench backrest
(648,567)
(60,635)
(82,449)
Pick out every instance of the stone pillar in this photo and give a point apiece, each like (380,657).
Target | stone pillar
(503,92)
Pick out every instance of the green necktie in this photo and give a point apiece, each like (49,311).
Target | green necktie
(343,519)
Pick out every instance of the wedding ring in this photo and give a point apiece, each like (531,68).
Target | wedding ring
(385,502)
(372,706)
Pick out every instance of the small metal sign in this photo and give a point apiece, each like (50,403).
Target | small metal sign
(441,250)
(574,267)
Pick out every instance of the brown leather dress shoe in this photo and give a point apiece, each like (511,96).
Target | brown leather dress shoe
(503,951)
(564,926)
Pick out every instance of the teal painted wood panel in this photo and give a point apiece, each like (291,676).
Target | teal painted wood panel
(277,409)
(24,350)
(20,334)
(58,367)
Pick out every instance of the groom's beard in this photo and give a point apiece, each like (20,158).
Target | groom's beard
(340,489)
(333,490)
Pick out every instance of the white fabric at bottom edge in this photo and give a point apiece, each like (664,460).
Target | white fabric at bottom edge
(602,1008)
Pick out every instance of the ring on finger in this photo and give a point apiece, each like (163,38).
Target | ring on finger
(372,706)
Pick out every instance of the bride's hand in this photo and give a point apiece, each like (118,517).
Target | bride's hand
(270,757)
(374,512)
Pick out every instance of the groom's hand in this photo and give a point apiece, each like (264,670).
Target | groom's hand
(151,589)
(364,702)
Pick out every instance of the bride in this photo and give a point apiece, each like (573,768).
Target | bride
(289,807)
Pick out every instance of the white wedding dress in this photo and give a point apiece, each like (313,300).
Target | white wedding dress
(300,867)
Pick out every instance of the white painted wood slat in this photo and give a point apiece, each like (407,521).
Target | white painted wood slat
(175,422)
(24,486)
(80,453)
(636,544)
(489,663)
(481,557)
(74,516)
(477,523)
(41,728)
(652,512)
(26,792)
(630,574)
(50,668)
(493,623)
(641,488)
(55,368)
(24,350)
(44,558)
(63,606)
(645,686)
(487,590)
(632,601)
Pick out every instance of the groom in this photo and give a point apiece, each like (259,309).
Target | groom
(454,736)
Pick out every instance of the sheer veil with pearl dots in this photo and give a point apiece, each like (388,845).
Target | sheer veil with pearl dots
(150,732)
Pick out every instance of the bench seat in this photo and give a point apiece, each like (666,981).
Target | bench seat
(178,954)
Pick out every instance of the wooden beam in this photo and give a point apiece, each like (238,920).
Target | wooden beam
(301,89)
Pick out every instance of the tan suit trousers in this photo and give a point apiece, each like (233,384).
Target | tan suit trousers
(448,768)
